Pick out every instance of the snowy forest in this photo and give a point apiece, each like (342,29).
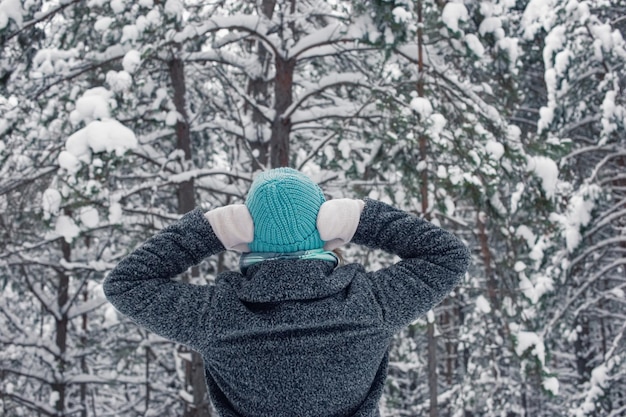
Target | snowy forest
(500,120)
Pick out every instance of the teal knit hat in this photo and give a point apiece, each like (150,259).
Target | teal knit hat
(284,204)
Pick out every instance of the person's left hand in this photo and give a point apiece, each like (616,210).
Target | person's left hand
(338,220)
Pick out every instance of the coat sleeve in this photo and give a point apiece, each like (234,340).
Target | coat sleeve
(433,261)
(141,285)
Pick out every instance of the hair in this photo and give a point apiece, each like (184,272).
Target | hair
(339,254)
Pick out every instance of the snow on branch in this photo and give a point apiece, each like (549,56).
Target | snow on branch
(605,219)
(48,303)
(322,142)
(267,113)
(332,80)
(92,265)
(578,294)
(38,406)
(410,52)
(334,49)
(174,179)
(40,17)
(603,162)
(618,411)
(324,36)
(595,248)
(249,66)
(13,319)
(33,341)
(152,212)
(9,184)
(216,185)
(36,376)
(600,378)
(465,92)
(225,125)
(254,25)
(112,54)
(332,34)
(85,307)
(319,113)
(87,379)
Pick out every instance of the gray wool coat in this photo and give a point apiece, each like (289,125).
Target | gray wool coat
(291,338)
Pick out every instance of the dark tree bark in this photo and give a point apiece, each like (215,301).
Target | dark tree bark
(423,152)
(258,88)
(492,287)
(62,323)
(194,370)
(281,127)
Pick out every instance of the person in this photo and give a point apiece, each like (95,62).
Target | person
(292,333)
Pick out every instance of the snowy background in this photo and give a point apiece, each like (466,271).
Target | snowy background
(501,120)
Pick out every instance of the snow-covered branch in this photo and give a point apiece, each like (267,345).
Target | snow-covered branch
(589,250)
(333,33)
(324,141)
(13,320)
(10,184)
(324,113)
(75,74)
(46,302)
(603,162)
(32,341)
(37,406)
(258,26)
(41,17)
(30,375)
(606,219)
(248,66)
(266,113)
(564,306)
(85,307)
(326,82)
(333,49)
(600,378)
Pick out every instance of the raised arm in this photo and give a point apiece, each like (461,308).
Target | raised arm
(140,286)
(433,261)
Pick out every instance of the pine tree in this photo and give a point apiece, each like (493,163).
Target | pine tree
(502,121)
(584,56)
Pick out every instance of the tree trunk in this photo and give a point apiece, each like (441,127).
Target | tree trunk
(281,127)
(448,327)
(147,375)
(186,197)
(583,349)
(492,286)
(258,89)
(83,360)
(423,152)
(61,330)
(432,370)
(194,370)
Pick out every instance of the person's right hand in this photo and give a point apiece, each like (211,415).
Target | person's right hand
(233,226)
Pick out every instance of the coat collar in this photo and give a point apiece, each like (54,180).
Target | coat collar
(288,280)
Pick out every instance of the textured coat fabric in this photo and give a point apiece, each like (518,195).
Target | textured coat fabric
(291,338)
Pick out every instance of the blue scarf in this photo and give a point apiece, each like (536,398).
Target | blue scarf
(253,258)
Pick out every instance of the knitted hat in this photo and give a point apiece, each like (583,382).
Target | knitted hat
(284,204)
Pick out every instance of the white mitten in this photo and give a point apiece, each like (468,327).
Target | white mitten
(338,220)
(233,226)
